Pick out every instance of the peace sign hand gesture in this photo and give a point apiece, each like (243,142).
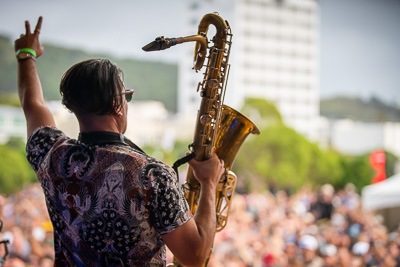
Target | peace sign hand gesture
(30,40)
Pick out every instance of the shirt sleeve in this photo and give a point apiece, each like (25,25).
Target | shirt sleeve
(166,200)
(40,143)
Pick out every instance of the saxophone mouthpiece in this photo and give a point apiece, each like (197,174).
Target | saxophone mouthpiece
(160,43)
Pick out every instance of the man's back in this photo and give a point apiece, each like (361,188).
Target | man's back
(108,203)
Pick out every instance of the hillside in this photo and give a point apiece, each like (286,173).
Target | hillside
(156,81)
(151,80)
(373,110)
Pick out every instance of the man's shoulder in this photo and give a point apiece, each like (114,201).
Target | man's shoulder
(153,164)
(40,142)
(45,131)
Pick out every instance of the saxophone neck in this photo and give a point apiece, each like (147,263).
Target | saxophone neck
(221,26)
(200,53)
(219,40)
(162,43)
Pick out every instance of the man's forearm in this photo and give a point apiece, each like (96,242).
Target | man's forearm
(29,86)
(205,216)
(31,97)
(191,243)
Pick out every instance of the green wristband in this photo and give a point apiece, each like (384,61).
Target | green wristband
(26,50)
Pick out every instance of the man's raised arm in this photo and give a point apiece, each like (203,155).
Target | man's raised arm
(30,93)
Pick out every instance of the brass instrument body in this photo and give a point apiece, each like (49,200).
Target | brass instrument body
(218,127)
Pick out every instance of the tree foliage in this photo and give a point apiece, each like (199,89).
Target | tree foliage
(285,158)
(357,170)
(15,171)
(390,165)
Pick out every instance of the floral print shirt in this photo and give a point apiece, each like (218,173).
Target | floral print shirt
(109,204)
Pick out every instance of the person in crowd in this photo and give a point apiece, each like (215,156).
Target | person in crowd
(323,207)
(309,250)
(357,261)
(329,255)
(109,202)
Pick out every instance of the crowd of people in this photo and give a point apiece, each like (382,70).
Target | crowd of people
(309,228)
(27,227)
(312,228)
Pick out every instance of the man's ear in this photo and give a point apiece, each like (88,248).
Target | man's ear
(118,112)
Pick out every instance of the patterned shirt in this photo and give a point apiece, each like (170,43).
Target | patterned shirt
(109,204)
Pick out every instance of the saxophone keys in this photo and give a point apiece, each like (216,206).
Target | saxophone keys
(205,119)
(213,84)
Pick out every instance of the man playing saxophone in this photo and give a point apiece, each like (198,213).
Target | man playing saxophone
(110,203)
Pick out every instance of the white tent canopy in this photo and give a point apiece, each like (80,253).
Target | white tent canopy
(382,195)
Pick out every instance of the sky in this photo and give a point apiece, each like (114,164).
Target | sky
(359,39)
(360,48)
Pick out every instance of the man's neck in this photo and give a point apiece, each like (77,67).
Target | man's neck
(96,123)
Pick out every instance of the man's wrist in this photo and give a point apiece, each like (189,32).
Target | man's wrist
(25,53)
(24,56)
(208,186)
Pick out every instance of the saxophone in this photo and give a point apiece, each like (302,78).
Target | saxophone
(218,127)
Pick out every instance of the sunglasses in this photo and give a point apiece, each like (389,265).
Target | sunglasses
(129,94)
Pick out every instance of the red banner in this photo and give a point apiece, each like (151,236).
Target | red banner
(377,161)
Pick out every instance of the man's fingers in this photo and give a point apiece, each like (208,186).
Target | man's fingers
(37,28)
(27,27)
(39,25)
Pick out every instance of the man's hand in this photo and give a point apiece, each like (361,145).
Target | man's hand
(30,40)
(208,172)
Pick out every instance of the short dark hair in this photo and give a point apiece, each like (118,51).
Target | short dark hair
(93,86)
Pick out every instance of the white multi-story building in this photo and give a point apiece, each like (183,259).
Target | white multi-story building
(275,55)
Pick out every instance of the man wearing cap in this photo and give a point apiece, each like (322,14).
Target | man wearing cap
(309,251)
(329,255)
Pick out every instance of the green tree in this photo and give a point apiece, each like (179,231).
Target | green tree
(169,157)
(261,112)
(9,99)
(15,171)
(17,144)
(282,156)
(356,170)
(390,165)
